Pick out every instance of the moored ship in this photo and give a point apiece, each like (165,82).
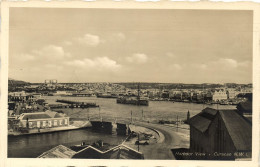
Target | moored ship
(100,95)
(133,100)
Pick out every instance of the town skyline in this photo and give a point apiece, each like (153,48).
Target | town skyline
(135,82)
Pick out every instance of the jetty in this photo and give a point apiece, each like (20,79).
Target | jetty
(77,104)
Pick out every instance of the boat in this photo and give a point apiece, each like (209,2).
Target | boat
(106,96)
(80,146)
(133,100)
(77,104)
(224,103)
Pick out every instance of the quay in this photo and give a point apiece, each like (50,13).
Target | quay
(80,95)
(47,130)
(77,104)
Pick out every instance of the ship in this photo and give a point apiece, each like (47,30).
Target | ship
(100,95)
(77,104)
(133,100)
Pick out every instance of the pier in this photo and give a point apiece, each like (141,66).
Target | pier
(77,104)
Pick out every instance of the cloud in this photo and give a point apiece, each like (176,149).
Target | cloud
(99,63)
(53,67)
(139,58)
(200,66)
(220,64)
(67,43)
(228,62)
(245,64)
(51,52)
(27,57)
(169,54)
(223,64)
(119,36)
(90,40)
(177,66)
(46,54)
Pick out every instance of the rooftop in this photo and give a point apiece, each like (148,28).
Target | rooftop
(118,152)
(202,120)
(59,151)
(238,128)
(40,115)
(245,107)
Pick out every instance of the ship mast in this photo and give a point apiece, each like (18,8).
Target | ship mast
(138,94)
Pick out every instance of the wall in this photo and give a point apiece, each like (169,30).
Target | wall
(46,123)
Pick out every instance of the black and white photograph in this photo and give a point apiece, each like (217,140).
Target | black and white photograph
(130,83)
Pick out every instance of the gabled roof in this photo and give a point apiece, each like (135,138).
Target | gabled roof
(202,120)
(35,116)
(40,115)
(238,128)
(118,152)
(59,151)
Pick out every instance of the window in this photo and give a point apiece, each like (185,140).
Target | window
(30,124)
(61,122)
(65,121)
(49,123)
(44,123)
(38,124)
(55,123)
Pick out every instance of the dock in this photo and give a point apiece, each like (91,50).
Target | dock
(77,104)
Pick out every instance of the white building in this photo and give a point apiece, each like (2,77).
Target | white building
(40,120)
(219,95)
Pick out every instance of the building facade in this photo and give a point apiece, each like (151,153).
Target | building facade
(41,120)
(219,95)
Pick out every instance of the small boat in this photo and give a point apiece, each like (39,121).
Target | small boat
(79,146)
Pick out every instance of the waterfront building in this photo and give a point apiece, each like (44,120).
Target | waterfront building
(231,94)
(220,131)
(208,96)
(38,120)
(61,93)
(20,96)
(219,95)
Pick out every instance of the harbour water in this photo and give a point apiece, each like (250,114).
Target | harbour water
(30,146)
(156,110)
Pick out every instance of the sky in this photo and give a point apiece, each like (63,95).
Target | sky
(130,45)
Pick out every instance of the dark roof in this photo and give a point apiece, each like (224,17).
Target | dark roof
(202,120)
(238,128)
(59,151)
(245,107)
(36,116)
(57,115)
(117,152)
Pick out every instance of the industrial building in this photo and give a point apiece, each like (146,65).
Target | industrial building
(221,134)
